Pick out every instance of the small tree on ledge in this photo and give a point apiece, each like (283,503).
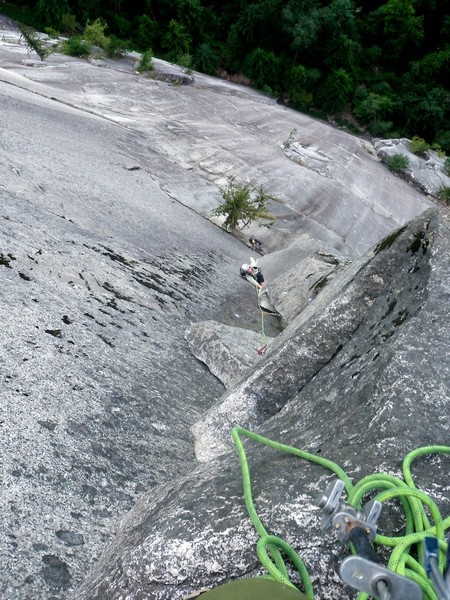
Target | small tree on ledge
(242,205)
(33,41)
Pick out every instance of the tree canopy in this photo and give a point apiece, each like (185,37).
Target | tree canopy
(385,63)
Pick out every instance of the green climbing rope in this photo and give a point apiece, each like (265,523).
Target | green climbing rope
(270,549)
(262,350)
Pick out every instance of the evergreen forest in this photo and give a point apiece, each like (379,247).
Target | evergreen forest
(377,66)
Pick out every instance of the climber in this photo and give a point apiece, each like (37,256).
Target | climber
(253,274)
(256,245)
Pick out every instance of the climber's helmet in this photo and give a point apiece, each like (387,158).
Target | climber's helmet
(245,269)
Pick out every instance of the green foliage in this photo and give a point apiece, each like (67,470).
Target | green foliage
(52,11)
(242,205)
(428,110)
(402,27)
(121,26)
(339,16)
(343,52)
(431,65)
(373,107)
(301,23)
(374,110)
(437,148)
(176,40)
(291,137)
(262,68)
(386,62)
(298,84)
(445,29)
(94,33)
(185,61)
(443,139)
(346,124)
(444,194)
(52,32)
(146,32)
(22,14)
(268,91)
(419,146)
(447,165)
(34,42)
(145,63)
(76,46)
(205,59)
(249,21)
(397,162)
(69,24)
(335,92)
(115,48)
(190,14)
(381,129)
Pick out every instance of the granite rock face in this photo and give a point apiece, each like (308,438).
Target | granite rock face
(386,284)
(213,130)
(108,256)
(297,274)
(359,377)
(227,351)
(426,172)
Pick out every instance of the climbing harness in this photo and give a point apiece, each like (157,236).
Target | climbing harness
(413,571)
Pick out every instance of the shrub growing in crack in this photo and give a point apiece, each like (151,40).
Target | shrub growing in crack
(243,204)
(34,42)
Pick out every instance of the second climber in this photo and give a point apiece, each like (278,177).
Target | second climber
(253,274)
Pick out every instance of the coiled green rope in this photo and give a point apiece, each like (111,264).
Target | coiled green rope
(413,500)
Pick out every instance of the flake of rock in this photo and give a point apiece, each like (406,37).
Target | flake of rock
(54,332)
(71,538)
(227,351)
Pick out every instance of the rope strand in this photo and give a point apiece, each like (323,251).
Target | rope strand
(413,500)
